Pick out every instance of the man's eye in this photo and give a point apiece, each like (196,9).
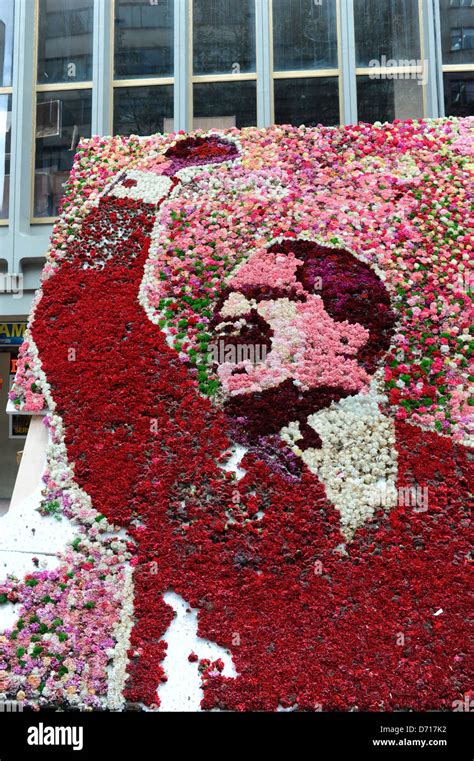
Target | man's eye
(225,329)
(232,328)
(129,183)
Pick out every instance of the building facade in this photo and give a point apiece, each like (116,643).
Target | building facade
(73,68)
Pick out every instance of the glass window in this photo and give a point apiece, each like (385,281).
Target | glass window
(7,8)
(459,94)
(388,28)
(5,138)
(304,35)
(143,39)
(457,31)
(143,110)
(65,41)
(223,36)
(310,101)
(225,104)
(62,119)
(462,39)
(388,99)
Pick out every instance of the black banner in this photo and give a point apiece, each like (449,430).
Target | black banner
(136,735)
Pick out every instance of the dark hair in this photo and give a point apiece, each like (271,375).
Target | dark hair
(350,290)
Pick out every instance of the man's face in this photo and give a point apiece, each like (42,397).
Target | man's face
(275,336)
(306,345)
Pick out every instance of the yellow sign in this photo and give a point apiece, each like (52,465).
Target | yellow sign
(11,333)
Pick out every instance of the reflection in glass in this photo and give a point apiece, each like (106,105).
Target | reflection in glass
(387,28)
(7,8)
(310,101)
(223,36)
(459,94)
(388,99)
(225,104)
(143,110)
(65,41)
(62,119)
(5,142)
(457,31)
(304,35)
(143,39)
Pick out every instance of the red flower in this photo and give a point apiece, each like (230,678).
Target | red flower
(296,637)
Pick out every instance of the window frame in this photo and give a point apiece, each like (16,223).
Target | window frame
(365,71)
(215,78)
(311,73)
(8,91)
(104,83)
(50,87)
(450,68)
(135,81)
